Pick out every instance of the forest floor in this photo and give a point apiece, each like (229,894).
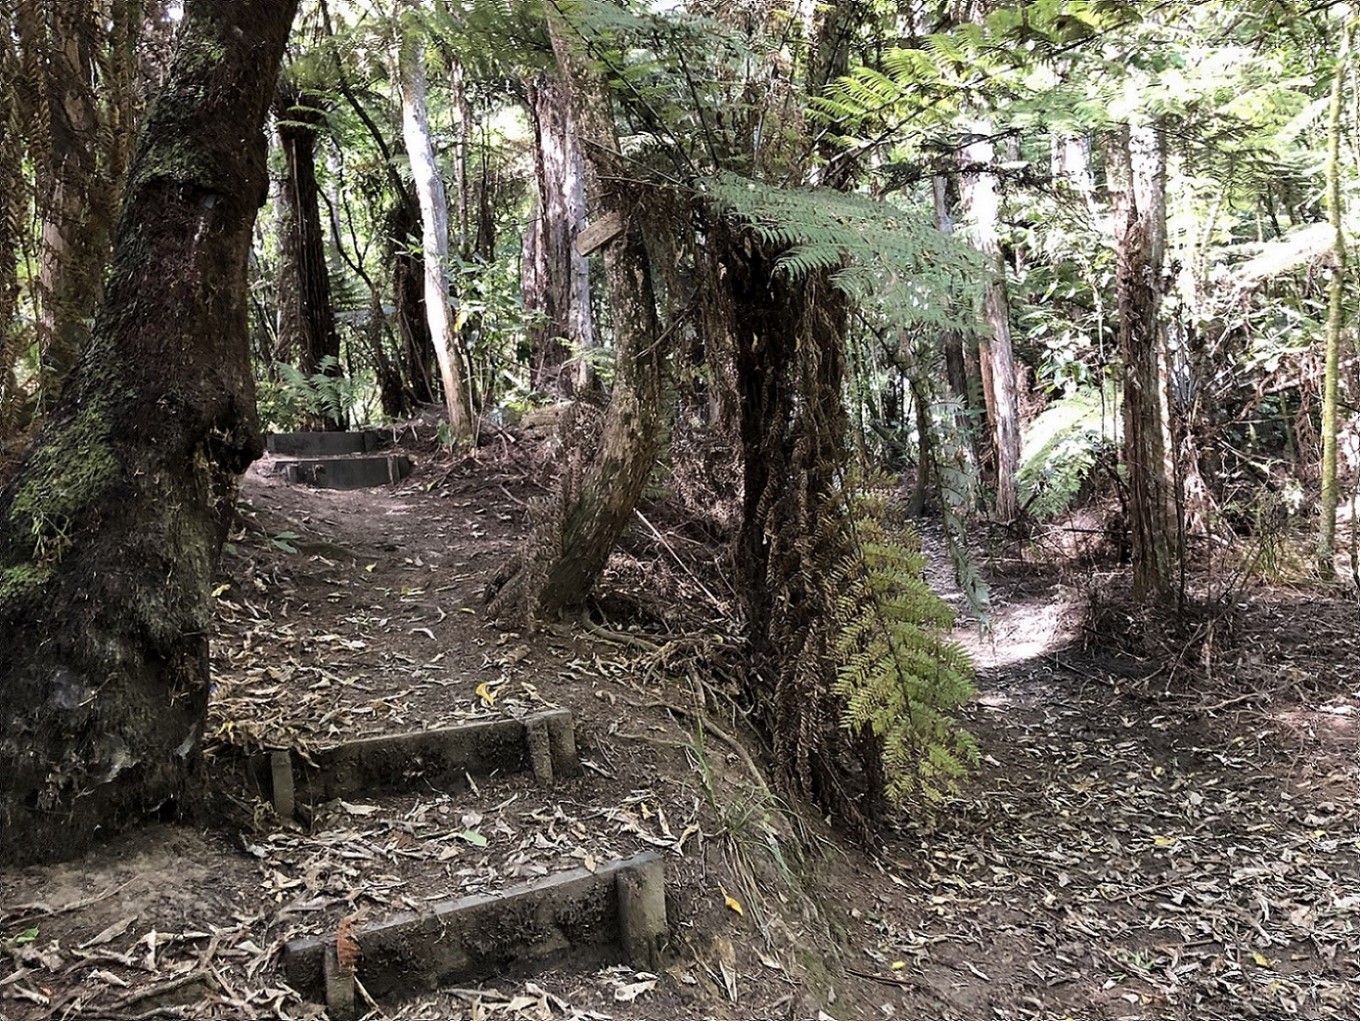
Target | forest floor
(1164,824)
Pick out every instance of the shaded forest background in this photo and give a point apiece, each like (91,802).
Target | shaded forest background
(1070,276)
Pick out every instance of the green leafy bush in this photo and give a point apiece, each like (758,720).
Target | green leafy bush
(295,399)
(1063,444)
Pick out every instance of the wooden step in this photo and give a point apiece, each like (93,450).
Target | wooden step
(443,759)
(360,472)
(581,919)
(319,444)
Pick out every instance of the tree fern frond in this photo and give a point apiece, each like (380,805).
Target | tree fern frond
(900,676)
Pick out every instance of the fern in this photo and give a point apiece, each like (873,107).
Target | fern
(870,249)
(297,398)
(1063,444)
(900,675)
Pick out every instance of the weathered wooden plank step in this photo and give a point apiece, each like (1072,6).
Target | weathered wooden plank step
(359,472)
(327,444)
(581,919)
(544,743)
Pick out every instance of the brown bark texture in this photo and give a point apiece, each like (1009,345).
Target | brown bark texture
(1136,167)
(596,511)
(111,529)
(557,277)
(306,332)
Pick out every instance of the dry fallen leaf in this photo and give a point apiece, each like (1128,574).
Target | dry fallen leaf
(628,992)
(732,903)
(111,933)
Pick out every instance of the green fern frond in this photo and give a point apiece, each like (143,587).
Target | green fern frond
(872,249)
(1063,444)
(900,675)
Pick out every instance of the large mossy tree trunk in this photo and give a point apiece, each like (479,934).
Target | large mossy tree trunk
(596,504)
(306,332)
(112,527)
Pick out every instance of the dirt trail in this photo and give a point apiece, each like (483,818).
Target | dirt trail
(1128,850)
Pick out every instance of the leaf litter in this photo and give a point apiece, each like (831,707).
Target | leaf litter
(1120,856)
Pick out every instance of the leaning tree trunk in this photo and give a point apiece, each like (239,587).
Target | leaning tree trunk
(596,505)
(995,353)
(1136,169)
(112,527)
(434,212)
(306,329)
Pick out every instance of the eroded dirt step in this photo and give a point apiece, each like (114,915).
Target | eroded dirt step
(327,444)
(364,471)
(582,919)
(543,743)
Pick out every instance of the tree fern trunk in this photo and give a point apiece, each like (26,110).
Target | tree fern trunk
(13,207)
(76,180)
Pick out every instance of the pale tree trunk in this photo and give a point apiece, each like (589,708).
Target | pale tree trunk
(982,197)
(1331,490)
(596,505)
(111,529)
(1136,166)
(1070,163)
(434,210)
(561,294)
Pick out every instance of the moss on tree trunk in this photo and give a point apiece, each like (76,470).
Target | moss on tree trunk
(112,527)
